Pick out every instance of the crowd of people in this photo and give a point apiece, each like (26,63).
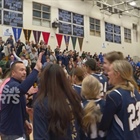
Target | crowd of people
(66,96)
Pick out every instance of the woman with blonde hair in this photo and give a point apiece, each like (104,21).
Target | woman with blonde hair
(121,117)
(93,107)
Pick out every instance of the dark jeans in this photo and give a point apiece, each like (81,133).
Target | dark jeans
(10,137)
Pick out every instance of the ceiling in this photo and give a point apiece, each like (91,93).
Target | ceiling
(121,7)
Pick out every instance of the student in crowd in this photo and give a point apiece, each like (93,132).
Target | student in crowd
(110,57)
(77,77)
(47,61)
(52,57)
(121,114)
(10,41)
(91,68)
(13,103)
(21,58)
(57,109)
(93,107)
(33,57)
(10,61)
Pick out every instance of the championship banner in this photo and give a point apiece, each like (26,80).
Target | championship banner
(17,33)
(37,36)
(27,34)
(73,41)
(59,39)
(46,36)
(80,40)
(67,38)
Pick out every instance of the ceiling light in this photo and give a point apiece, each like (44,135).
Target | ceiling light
(133,3)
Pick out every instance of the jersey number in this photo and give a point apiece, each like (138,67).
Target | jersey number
(103,89)
(134,119)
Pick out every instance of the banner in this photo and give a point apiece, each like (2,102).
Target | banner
(73,41)
(46,36)
(27,34)
(67,38)
(17,33)
(37,36)
(7,31)
(80,40)
(59,39)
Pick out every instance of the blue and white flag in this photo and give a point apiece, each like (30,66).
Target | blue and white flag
(17,33)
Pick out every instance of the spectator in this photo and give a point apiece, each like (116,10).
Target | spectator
(57,49)
(138,64)
(19,47)
(28,47)
(11,61)
(47,61)
(33,57)
(10,41)
(52,57)
(21,58)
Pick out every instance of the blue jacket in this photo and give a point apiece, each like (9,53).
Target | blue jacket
(41,122)
(13,108)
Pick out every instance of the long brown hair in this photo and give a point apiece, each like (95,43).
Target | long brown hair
(63,102)
(79,73)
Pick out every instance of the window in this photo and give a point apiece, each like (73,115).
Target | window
(12,12)
(127,35)
(71,23)
(41,14)
(112,33)
(95,29)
